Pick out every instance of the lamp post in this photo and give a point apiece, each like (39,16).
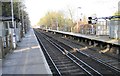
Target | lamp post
(64,28)
(12,13)
(13,34)
(23,20)
(118,32)
(57,23)
(78,18)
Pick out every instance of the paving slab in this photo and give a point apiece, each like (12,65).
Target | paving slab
(28,58)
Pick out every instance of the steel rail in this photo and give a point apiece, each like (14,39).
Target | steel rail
(72,59)
(61,49)
(49,55)
(94,58)
(65,51)
(98,60)
(95,71)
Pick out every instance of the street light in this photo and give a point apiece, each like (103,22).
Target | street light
(57,24)
(12,13)
(13,29)
(77,17)
(77,12)
(23,20)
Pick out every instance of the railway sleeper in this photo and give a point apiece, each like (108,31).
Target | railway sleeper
(109,61)
(57,60)
(58,57)
(67,67)
(115,63)
(71,71)
(63,62)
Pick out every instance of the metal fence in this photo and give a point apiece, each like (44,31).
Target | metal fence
(1,47)
(5,45)
(114,29)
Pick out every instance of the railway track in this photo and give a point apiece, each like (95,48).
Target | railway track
(60,61)
(65,63)
(109,60)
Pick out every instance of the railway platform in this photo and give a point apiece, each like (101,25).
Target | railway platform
(92,37)
(59,48)
(27,58)
(101,41)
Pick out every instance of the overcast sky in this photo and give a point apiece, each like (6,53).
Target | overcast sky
(38,8)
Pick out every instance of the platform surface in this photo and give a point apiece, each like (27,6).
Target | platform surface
(92,37)
(28,58)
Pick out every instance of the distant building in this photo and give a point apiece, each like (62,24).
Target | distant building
(102,27)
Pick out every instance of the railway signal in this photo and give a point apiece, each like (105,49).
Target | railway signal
(92,20)
(89,20)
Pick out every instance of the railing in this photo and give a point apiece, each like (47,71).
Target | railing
(5,45)
(1,47)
